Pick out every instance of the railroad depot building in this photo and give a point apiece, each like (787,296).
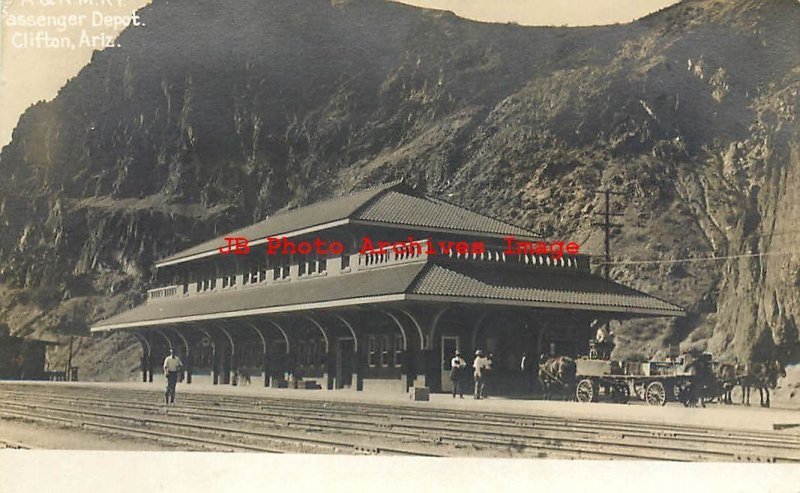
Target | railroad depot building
(386,319)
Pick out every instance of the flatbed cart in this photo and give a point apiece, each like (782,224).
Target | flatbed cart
(653,382)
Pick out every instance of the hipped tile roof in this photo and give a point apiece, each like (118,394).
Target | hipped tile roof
(391,204)
(465,282)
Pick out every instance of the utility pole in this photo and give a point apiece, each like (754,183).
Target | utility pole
(607,225)
(68,376)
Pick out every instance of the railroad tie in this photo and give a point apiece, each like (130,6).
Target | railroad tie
(755,458)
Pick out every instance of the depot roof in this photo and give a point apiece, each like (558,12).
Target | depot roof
(429,281)
(394,204)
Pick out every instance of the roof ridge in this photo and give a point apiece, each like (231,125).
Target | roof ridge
(381,187)
(395,186)
(414,284)
(484,214)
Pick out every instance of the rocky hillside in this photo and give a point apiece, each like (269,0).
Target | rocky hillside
(214,116)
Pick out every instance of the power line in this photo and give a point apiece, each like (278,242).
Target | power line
(700,259)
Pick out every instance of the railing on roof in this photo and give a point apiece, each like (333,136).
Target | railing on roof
(159,294)
(398,253)
(414,251)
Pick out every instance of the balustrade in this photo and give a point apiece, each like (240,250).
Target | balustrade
(159,294)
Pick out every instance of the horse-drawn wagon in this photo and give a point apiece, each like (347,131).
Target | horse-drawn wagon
(654,382)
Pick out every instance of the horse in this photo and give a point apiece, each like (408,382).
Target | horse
(764,376)
(727,378)
(559,370)
(704,384)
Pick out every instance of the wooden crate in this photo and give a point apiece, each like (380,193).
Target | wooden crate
(419,393)
(593,367)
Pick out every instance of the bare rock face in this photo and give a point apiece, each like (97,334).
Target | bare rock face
(193,128)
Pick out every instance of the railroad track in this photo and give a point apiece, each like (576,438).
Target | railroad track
(273,424)
(493,433)
(4,443)
(483,419)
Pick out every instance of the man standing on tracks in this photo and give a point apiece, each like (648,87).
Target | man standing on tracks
(457,365)
(172,368)
(479,365)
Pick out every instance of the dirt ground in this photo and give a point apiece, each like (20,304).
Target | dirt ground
(39,436)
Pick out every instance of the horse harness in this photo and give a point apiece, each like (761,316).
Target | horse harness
(544,369)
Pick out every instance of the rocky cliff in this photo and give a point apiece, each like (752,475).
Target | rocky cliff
(212,117)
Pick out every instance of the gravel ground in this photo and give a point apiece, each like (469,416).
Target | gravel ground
(39,436)
(714,415)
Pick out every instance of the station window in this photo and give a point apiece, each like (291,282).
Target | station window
(398,350)
(280,271)
(372,357)
(385,351)
(302,265)
(323,265)
(345,261)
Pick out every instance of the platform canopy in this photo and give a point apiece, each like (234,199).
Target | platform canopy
(427,280)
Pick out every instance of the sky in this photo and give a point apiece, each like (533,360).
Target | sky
(35,61)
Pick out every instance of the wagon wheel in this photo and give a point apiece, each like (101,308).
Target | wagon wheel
(656,394)
(586,391)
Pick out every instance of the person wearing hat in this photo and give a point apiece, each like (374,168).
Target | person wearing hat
(172,368)
(604,340)
(457,365)
(480,364)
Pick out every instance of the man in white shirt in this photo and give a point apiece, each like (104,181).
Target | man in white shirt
(457,365)
(480,365)
(172,368)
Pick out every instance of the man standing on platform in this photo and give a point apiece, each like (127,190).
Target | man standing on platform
(528,368)
(172,368)
(457,365)
(480,364)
